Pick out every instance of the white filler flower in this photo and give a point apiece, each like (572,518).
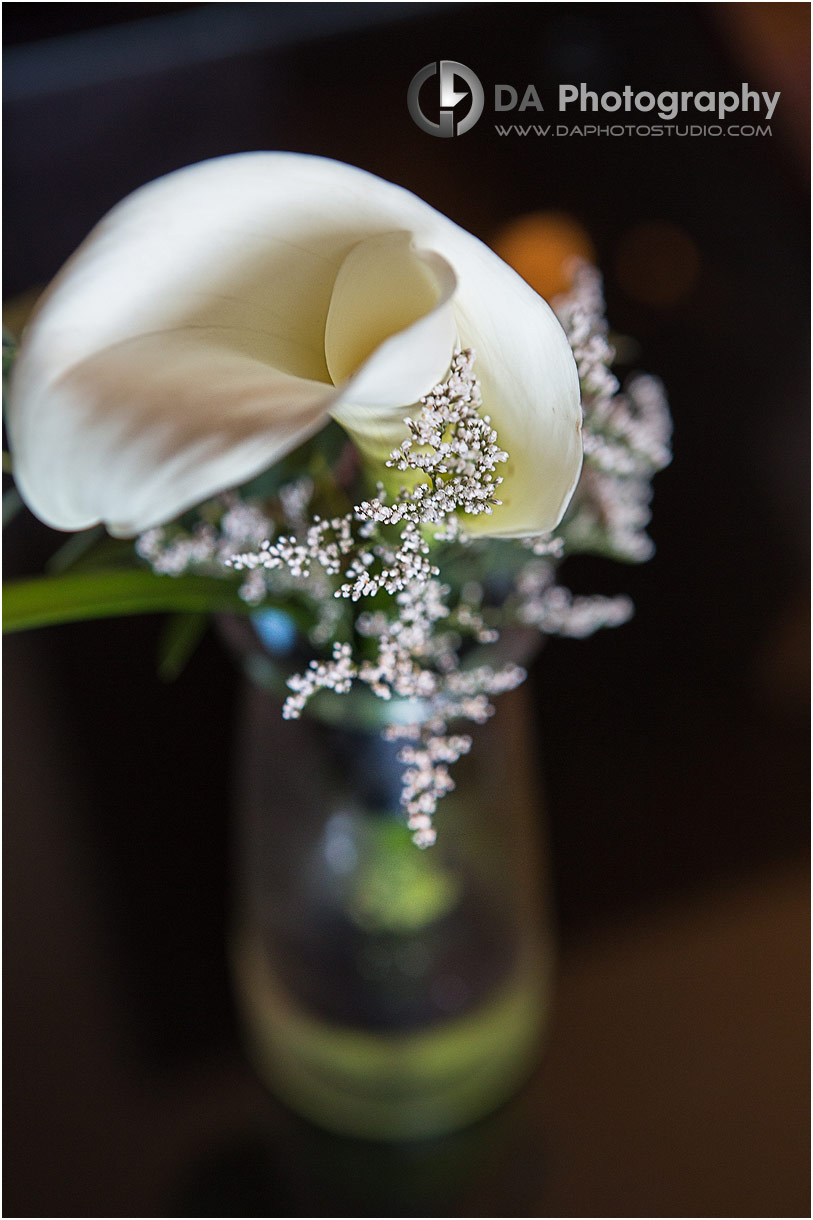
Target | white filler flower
(217,317)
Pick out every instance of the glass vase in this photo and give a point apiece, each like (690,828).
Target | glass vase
(386,992)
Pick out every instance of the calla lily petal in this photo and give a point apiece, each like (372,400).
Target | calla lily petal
(117,454)
(391,318)
(216,317)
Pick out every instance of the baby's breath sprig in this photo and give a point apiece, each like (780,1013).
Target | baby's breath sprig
(626,433)
(399,591)
(454,446)
(454,449)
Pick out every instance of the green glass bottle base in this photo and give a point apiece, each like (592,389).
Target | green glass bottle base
(399,1086)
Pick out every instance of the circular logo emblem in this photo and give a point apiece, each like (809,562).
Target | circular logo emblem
(450,122)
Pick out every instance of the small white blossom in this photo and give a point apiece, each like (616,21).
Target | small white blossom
(336,675)
(626,433)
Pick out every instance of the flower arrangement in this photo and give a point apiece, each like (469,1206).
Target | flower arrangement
(276,384)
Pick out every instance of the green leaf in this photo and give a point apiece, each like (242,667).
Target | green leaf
(9,349)
(103,555)
(72,550)
(46,600)
(181,635)
(12,503)
(9,356)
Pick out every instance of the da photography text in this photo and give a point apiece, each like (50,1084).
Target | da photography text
(447,99)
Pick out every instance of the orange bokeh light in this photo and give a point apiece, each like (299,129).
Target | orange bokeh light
(540,246)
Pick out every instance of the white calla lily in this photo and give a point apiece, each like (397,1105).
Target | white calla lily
(218,317)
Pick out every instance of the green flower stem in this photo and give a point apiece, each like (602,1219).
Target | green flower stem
(44,601)
(180,637)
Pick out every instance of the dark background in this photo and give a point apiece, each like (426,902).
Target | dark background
(674,750)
